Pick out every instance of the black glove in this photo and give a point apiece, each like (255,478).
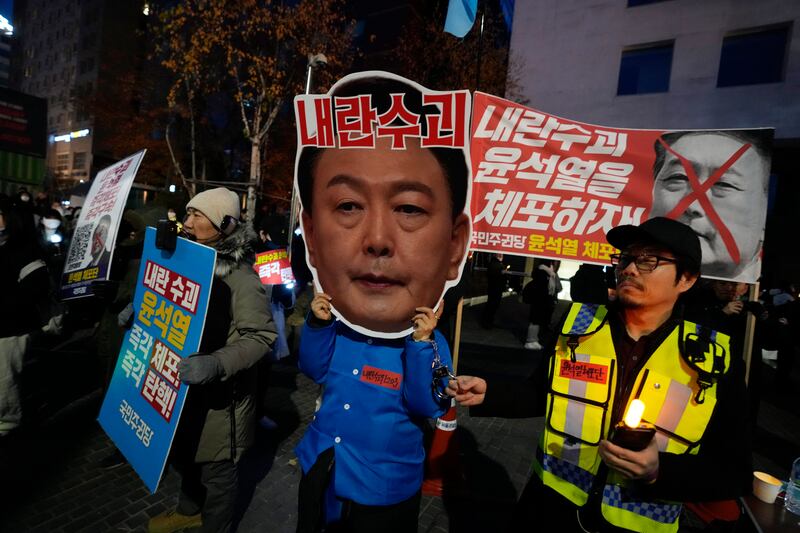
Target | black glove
(105,290)
(199,369)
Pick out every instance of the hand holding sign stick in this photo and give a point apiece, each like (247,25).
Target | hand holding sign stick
(321,306)
(425,322)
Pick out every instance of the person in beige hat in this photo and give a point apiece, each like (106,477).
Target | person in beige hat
(217,424)
(212,215)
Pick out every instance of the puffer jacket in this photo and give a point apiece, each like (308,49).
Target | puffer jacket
(217,423)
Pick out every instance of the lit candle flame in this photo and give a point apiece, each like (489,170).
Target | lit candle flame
(634,414)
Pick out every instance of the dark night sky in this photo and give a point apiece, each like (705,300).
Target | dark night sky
(7,8)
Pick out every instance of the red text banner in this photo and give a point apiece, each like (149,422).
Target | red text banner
(550,187)
(273,267)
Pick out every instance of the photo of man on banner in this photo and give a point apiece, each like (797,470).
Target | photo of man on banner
(91,248)
(716,182)
(100,252)
(383,176)
(552,187)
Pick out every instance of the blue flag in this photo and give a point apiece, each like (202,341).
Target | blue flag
(508,12)
(460,17)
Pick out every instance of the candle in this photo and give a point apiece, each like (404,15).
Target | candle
(631,432)
(634,414)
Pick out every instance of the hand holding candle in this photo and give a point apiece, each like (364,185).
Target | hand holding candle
(632,433)
(633,450)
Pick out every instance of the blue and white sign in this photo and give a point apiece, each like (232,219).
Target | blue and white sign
(143,404)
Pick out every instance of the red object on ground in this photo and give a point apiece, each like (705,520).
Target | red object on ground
(442,465)
(723,511)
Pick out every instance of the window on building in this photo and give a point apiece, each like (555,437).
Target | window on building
(645,69)
(79,160)
(62,162)
(753,57)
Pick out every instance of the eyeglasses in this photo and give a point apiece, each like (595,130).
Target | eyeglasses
(643,262)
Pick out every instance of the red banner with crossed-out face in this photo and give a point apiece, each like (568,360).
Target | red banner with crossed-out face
(546,186)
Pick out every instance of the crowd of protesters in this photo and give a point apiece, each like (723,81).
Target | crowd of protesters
(258,326)
(35,233)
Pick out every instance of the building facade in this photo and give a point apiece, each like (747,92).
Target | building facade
(675,64)
(60,49)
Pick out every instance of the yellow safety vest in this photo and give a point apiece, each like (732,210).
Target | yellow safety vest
(581,400)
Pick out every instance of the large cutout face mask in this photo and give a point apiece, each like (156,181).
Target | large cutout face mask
(383,175)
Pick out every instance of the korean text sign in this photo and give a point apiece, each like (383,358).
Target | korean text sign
(273,267)
(550,187)
(378,130)
(92,244)
(143,404)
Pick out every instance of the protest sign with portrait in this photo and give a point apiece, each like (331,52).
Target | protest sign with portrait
(550,187)
(92,245)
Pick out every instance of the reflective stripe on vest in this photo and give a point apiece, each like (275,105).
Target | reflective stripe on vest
(668,392)
(587,317)
(579,407)
(621,510)
(567,471)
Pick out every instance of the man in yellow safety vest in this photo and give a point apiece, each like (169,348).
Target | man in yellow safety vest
(639,347)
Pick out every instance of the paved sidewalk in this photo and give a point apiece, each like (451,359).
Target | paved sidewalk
(51,480)
(56,483)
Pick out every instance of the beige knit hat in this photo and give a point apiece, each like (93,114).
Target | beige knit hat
(215,204)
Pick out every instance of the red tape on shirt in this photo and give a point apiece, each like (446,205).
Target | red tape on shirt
(589,372)
(380,377)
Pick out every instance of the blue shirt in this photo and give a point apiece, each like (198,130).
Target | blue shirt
(377,394)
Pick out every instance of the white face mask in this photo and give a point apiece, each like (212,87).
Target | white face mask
(51,223)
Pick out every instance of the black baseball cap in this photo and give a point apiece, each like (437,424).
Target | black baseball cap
(675,236)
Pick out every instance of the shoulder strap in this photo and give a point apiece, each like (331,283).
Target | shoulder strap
(707,357)
(581,325)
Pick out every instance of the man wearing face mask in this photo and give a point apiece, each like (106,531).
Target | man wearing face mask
(53,242)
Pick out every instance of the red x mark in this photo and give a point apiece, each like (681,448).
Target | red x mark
(699,194)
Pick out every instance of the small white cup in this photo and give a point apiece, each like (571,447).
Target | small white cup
(766,487)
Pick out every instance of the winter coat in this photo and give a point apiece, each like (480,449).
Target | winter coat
(217,423)
(25,288)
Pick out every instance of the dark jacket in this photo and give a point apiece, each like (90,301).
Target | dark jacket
(218,420)
(25,286)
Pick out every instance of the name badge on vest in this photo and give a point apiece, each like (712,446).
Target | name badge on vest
(582,371)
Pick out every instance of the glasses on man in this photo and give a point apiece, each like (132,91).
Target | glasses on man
(643,262)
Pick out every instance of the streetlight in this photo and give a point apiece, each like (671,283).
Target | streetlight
(314,61)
